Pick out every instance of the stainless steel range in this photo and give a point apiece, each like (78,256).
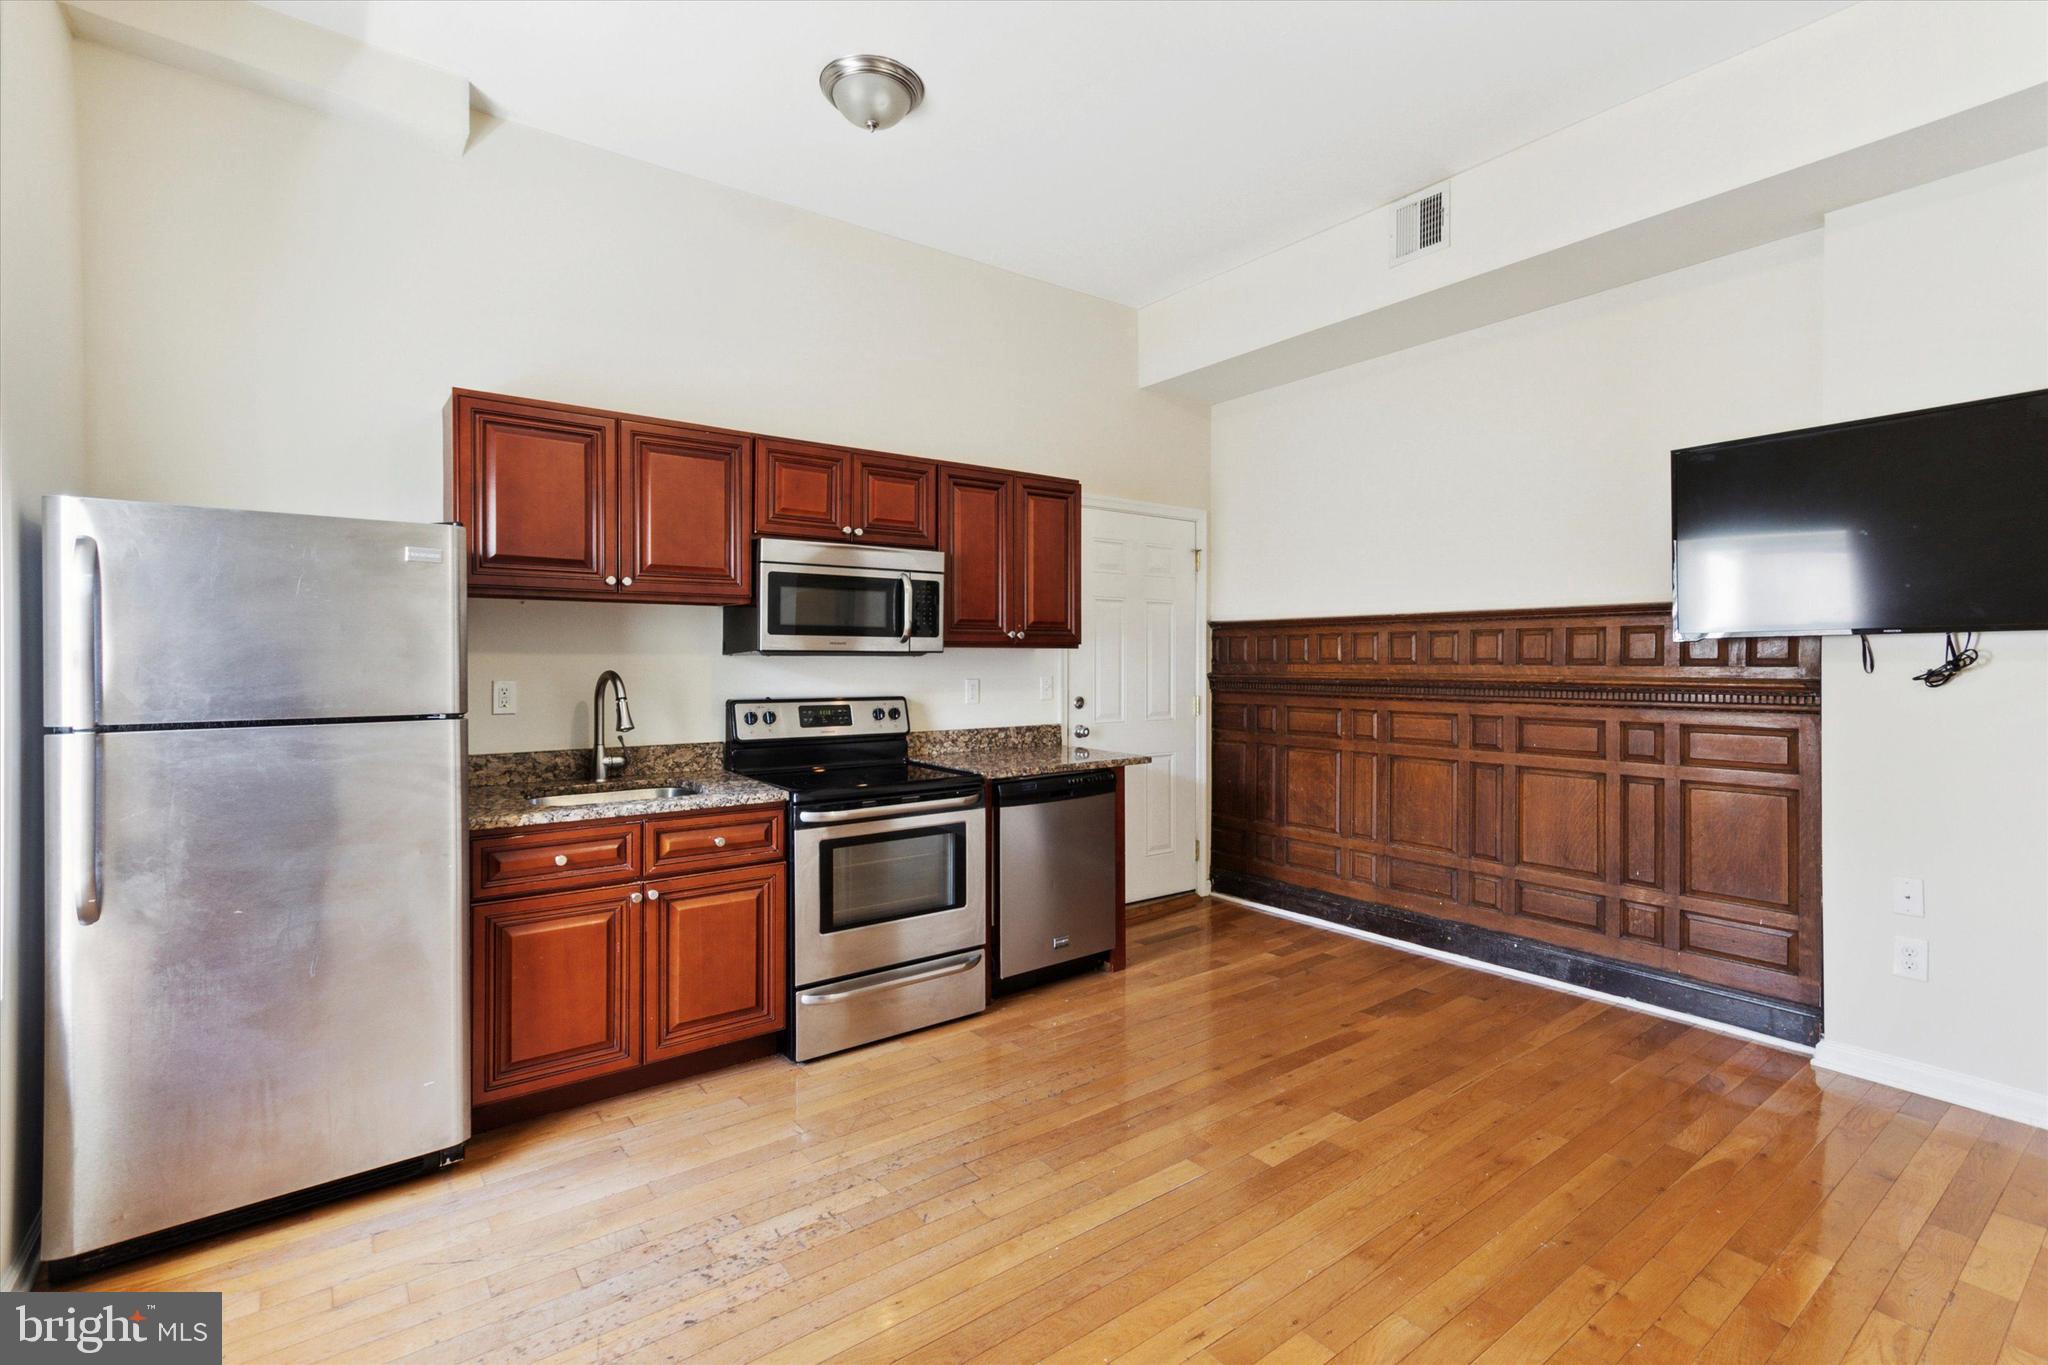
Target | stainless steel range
(888,887)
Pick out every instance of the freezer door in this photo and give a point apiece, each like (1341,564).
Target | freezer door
(162,615)
(255,966)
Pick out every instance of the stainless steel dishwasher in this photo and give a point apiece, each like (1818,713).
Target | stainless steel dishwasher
(1055,870)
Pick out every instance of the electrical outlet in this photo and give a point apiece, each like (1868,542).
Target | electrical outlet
(971,689)
(504,698)
(1908,897)
(1909,958)
(1044,687)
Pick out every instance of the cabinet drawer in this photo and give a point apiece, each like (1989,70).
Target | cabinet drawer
(554,858)
(723,838)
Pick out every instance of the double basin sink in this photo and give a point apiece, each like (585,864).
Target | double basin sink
(610,795)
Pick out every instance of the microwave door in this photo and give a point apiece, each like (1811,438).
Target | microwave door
(807,608)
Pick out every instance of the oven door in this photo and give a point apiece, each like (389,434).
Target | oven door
(816,608)
(878,889)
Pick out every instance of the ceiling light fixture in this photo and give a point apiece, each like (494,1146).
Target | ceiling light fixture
(873,92)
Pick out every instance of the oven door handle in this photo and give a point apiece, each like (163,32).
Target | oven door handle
(840,817)
(947,967)
(909,608)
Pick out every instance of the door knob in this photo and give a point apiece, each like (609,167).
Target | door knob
(1080,702)
(1080,732)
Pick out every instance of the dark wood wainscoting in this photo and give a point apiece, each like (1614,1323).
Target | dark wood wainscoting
(1573,777)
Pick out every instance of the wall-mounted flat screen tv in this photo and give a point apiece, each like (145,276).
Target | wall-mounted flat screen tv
(1923,521)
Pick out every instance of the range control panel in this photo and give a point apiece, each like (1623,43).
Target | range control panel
(790,718)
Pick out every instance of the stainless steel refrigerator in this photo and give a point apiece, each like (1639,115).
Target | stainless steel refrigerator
(255,883)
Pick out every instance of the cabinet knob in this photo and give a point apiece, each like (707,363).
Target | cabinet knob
(652,894)
(561,860)
(611,580)
(626,582)
(635,898)
(860,530)
(718,841)
(846,530)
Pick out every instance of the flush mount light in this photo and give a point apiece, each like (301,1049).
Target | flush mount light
(873,92)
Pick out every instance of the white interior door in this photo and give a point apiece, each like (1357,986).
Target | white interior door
(1134,682)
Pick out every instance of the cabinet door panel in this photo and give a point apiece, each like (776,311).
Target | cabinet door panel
(802,489)
(535,487)
(895,501)
(714,959)
(684,513)
(555,990)
(978,523)
(1047,581)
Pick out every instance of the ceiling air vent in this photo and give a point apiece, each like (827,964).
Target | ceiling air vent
(1422,222)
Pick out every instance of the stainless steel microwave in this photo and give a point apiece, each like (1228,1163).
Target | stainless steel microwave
(821,598)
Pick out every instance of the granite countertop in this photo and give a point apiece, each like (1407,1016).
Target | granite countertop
(1013,751)
(499,785)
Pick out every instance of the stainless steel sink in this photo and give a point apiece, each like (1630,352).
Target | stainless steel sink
(607,797)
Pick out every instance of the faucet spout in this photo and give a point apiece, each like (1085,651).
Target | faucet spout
(603,765)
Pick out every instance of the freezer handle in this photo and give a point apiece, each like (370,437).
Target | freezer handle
(81,664)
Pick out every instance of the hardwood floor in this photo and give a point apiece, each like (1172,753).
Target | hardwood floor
(1262,1142)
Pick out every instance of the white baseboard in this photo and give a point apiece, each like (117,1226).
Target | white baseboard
(1563,987)
(21,1271)
(1935,1082)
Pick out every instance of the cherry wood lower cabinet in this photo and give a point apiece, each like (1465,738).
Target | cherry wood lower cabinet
(682,951)
(1617,794)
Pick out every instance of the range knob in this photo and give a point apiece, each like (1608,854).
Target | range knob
(767,717)
(895,713)
(879,713)
(749,718)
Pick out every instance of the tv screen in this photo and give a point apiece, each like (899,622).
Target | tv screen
(1923,521)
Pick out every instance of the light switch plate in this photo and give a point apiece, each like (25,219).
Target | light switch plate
(504,698)
(1908,896)
(1909,958)
(1044,687)
(970,689)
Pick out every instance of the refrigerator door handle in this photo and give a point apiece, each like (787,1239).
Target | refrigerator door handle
(77,828)
(81,666)
(93,888)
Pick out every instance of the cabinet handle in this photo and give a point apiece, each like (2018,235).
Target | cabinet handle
(626,582)
(635,898)
(561,860)
(611,580)
(718,841)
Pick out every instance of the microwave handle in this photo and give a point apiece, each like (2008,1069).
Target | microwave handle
(909,609)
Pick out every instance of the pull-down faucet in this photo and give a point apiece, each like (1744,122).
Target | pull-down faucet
(601,764)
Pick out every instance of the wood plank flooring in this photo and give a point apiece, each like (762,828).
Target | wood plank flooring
(1262,1142)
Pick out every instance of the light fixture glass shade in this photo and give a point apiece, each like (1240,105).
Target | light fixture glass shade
(872,92)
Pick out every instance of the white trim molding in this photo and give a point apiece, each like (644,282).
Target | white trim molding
(1562,987)
(1935,1082)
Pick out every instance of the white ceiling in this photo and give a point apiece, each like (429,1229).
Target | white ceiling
(1124,149)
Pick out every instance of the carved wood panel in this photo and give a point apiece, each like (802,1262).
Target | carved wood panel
(1661,808)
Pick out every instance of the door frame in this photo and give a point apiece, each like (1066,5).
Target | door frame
(1199,517)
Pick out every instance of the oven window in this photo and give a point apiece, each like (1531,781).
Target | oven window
(833,604)
(879,877)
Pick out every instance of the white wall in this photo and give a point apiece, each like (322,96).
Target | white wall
(40,452)
(1523,464)
(277,303)
(1935,296)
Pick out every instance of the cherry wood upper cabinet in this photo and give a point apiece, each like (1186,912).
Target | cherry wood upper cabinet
(568,502)
(1048,563)
(1013,558)
(683,505)
(977,522)
(895,501)
(816,492)
(802,490)
(714,952)
(555,994)
(535,485)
